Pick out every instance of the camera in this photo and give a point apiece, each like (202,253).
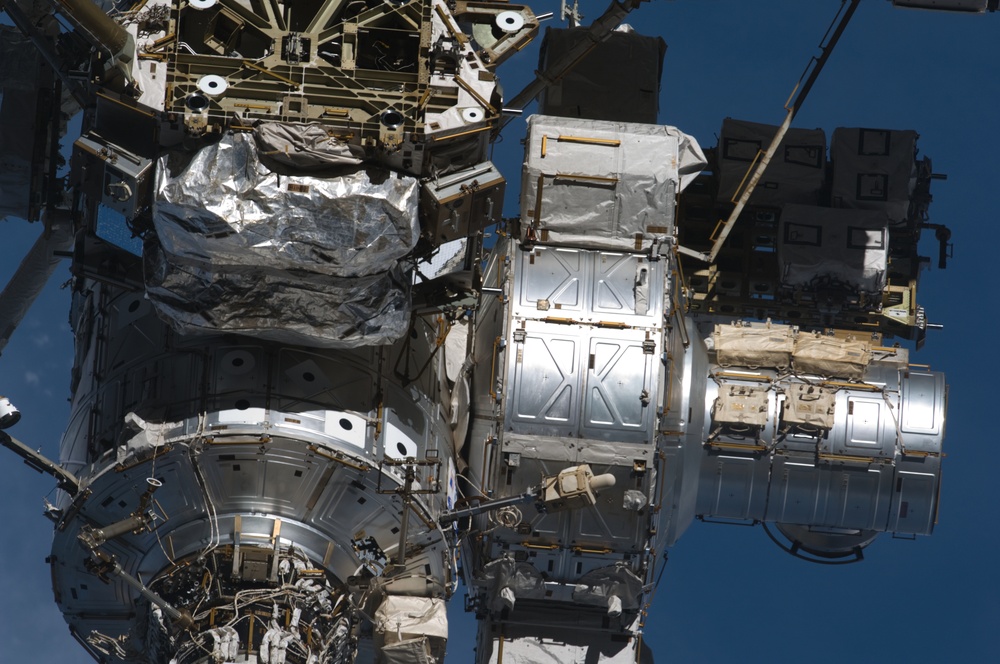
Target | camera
(9,415)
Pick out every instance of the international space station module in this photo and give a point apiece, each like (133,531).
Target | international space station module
(319,376)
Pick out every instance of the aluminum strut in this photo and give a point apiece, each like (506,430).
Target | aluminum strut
(32,275)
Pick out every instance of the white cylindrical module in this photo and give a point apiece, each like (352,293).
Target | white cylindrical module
(285,476)
(797,448)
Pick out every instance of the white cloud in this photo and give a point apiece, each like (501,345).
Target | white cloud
(31,378)
(42,341)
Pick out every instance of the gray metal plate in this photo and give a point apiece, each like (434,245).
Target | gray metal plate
(858,498)
(829,496)
(577,380)
(589,286)
(794,493)
(733,487)
(923,401)
(915,496)
(864,427)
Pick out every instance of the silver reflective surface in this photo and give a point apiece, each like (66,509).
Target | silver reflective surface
(298,259)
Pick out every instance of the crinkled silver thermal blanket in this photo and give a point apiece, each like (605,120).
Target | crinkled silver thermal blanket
(294,308)
(305,260)
(634,500)
(521,578)
(597,586)
(225,207)
(603,185)
(822,247)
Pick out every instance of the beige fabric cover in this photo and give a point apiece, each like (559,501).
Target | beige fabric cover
(738,346)
(405,626)
(808,405)
(740,404)
(831,357)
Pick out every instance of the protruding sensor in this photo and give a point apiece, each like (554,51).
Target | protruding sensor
(605,481)
(510,21)
(9,415)
(574,488)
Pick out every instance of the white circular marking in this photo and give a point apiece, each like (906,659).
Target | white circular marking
(212,84)
(400,448)
(510,21)
(238,362)
(346,427)
(473,114)
(202,4)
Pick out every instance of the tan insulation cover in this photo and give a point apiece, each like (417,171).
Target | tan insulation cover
(411,617)
(831,357)
(411,651)
(738,346)
(810,405)
(419,622)
(740,404)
